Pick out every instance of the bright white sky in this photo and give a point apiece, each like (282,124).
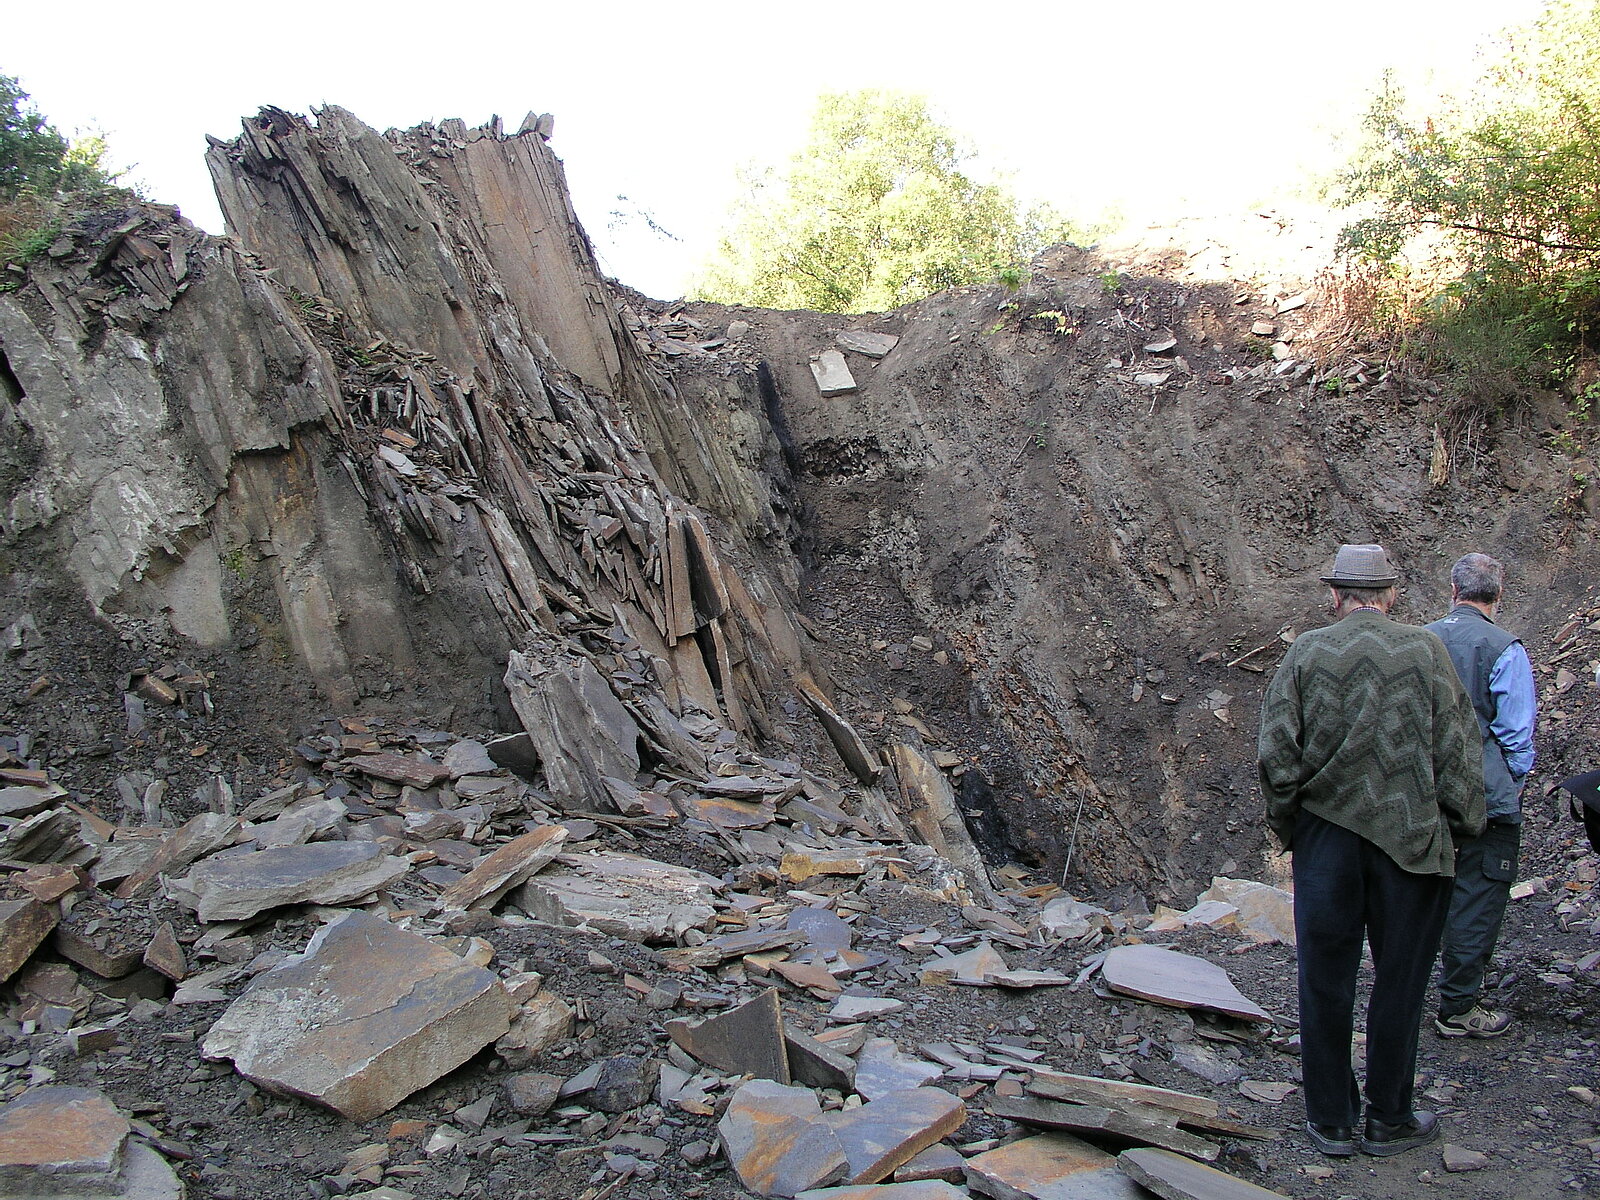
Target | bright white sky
(1159,109)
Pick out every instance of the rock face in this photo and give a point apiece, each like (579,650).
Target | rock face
(366,1016)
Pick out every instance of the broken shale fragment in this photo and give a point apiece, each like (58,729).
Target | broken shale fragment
(748,1040)
(775,1140)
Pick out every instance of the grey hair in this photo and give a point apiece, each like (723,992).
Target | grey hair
(1479,578)
(1382,596)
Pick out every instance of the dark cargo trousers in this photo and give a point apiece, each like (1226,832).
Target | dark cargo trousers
(1485,869)
(1344,888)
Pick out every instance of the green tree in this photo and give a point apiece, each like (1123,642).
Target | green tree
(35,157)
(1506,184)
(877,210)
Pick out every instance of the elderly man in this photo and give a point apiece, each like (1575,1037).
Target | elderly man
(1494,669)
(1370,762)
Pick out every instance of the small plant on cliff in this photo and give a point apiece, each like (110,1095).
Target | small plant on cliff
(876,211)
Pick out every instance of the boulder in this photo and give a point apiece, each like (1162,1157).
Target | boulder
(365,1016)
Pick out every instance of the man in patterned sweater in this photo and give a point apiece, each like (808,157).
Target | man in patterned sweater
(1372,768)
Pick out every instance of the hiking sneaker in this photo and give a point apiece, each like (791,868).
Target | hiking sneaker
(1477,1021)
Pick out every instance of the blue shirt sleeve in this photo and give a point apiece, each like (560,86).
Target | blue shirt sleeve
(1515,706)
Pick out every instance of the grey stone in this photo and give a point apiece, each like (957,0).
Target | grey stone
(625,1082)
(930,1189)
(516,753)
(468,757)
(775,1140)
(854,1008)
(1066,919)
(1049,1166)
(580,729)
(936,1162)
(1087,1118)
(747,1040)
(882,1069)
(1174,1177)
(832,373)
(237,887)
(971,967)
(623,895)
(823,929)
(24,924)
(891,1130)
(1459,1158)
(873,345)
(1181,980)
(530,1094)
(816,1064)
(365,1016)
(509,866)
(66,1139)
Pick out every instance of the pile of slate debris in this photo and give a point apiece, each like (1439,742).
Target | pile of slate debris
(395,910)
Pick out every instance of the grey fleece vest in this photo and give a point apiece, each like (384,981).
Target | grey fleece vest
(1475,644)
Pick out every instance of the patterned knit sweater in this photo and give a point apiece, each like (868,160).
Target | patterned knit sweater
(1367,726)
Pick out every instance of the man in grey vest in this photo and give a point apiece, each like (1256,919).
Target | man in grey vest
(1495,670)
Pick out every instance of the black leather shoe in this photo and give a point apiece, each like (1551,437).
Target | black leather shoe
(1384,1139)
(1333,1140)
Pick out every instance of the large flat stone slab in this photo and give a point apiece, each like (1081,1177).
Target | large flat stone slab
(1174,1177)
(832,373)
(882,1069)
(59,1140)
(1179,980)
(747,1040)
(623,895)
(894,1129)
(580,730)
(237,887)
(925,1189)
(1088,1118)
(775,1140)
(364,1017)
(873,345)
(1049,1166)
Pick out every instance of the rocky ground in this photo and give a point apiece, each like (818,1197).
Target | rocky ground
(555,1071)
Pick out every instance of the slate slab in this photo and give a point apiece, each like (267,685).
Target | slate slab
(775,1140)
(817,1064)
(468,757)
(936,1162)
(365,1016)
(1179,980)
(930,1189)
(62,1139)
(854,1008)
(193,840)
(507,867)
(873,345)
(24,924)
(891,1130)
(747,1040)
(1049,1166)
(623,895)
(400,768)
(1086,1118)
(832,373)
(972,967)
(237,887)
(882,1069)
(1174,1177)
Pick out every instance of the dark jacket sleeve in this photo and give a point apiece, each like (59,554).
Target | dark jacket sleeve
(1278,749)
(1457,752)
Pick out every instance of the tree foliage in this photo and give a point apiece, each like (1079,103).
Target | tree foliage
(1507,184)
(875,211)
(35,157)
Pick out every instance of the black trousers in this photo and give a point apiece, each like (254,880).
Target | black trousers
(1485,870)
(1346,888)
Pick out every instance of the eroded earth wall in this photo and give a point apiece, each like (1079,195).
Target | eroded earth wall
(1025,576)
